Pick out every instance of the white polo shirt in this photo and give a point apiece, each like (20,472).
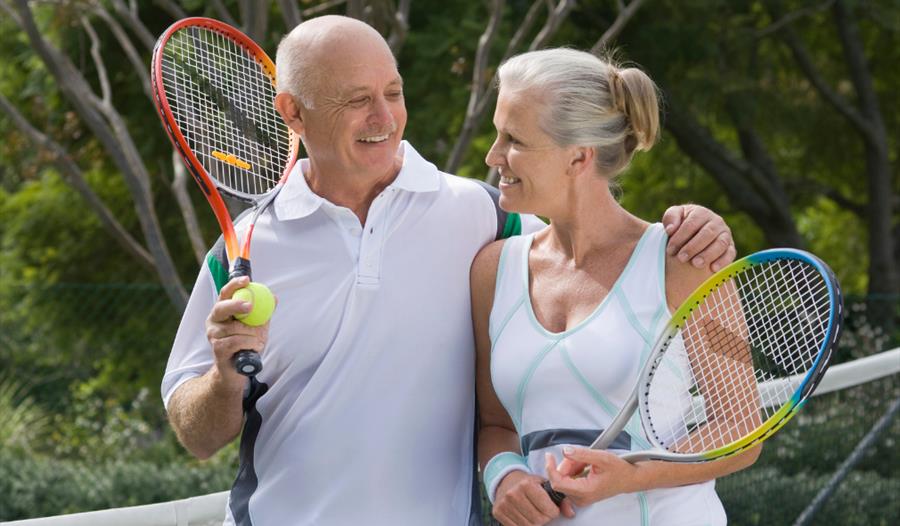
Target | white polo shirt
(368,404)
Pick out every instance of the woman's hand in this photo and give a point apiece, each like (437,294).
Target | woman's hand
(606,476)
(521,501)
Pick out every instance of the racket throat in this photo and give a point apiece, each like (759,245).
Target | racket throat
(240,268)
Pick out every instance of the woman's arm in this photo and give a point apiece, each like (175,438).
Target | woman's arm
(608,474)
(518,497)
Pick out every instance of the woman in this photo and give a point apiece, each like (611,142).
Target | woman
(564,316)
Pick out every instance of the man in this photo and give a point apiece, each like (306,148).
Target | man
(364,412)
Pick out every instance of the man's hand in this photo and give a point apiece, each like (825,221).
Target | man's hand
(699,235)
(521,501)
(227,335)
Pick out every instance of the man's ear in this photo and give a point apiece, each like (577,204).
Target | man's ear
(290,112)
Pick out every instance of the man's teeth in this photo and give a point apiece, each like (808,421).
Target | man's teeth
(376,138)
(505,179)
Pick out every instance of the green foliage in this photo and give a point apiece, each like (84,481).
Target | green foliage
(37,487)
(23,420)
(768,496)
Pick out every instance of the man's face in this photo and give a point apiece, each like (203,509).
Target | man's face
(358,115)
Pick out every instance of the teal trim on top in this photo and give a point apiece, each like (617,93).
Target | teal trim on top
(645,508)
(513,226)
(505,322)
(662,271)
(608,407)
(533,317)
(219,273)
(520,392)
(631,316)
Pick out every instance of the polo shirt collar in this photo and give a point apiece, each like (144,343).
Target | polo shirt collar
(297,200)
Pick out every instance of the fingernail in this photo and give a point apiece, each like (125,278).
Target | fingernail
(716,267)
(246,306)
(698,262)
(683,257)
(568,450)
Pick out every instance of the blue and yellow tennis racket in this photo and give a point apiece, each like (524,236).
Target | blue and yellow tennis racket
(737,360)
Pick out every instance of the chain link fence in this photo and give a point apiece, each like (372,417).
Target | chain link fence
(115,340)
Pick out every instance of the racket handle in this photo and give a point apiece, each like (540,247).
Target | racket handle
(555,496)
(247,362)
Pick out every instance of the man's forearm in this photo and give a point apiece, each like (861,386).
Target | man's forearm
(206,413)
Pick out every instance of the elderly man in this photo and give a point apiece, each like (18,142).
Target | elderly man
(365,410)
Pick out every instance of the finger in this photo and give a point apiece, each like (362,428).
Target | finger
(570,468)
(567,509)
(584,455)
(690,225)
(237,283)
(691,250)
(726,259)
(672,218)
(224,310)
(541,502)
(218,331)
(237,343)
(508,515)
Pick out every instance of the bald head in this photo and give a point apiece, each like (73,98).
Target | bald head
(310,50)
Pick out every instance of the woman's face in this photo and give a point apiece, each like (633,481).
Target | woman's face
(532,167)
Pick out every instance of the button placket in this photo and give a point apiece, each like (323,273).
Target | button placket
(369,269)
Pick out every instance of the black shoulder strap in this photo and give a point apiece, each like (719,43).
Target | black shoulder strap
(508,223)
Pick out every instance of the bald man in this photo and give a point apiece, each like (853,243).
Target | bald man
(364,412)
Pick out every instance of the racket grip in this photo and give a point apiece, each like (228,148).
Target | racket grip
(555,496)
(247,362)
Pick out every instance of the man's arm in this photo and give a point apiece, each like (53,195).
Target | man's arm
(206,412)
(698,235)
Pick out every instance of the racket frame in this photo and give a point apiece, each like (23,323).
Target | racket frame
(247,362)
(638,398)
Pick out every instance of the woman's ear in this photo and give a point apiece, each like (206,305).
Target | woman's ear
(582,160)
(290,112)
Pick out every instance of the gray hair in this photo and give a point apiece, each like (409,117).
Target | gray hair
(293,71)
(588,102)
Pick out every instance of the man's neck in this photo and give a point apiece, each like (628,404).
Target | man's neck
(353,192)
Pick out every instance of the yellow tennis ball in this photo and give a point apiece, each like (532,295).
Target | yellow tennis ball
(263,303)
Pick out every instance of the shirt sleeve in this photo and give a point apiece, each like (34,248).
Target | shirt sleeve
(531,223)
(191,355)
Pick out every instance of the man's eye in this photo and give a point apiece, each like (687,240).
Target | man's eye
(394,95)
(359,101)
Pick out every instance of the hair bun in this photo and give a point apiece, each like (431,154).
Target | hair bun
(617,90)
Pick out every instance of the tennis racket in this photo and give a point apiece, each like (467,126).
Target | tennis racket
(737,360)
(214,89)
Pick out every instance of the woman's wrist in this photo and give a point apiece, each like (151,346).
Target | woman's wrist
(498,467)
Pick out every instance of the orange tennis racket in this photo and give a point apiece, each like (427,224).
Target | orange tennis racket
(214,89)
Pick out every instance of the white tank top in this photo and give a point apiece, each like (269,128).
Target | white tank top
(564,388)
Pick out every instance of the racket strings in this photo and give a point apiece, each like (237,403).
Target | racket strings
(221,99)
(739,357)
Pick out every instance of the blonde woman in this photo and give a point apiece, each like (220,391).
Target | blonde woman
(564,316)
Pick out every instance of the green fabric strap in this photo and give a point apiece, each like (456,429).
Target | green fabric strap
(219,272)
(513,226)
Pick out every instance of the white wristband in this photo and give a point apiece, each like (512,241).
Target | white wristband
(498,467)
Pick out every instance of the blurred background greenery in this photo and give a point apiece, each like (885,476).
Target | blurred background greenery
(783,116)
